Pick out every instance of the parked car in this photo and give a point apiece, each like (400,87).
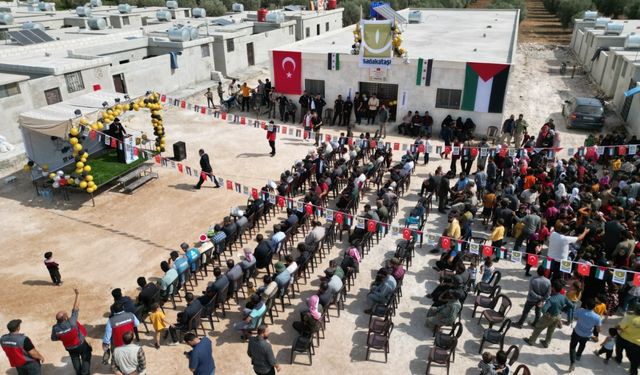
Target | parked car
(583,113)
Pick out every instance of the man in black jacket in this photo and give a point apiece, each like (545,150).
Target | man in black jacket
(305,103)
(205,166)
(337,110)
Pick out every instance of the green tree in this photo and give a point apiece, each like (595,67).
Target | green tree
(568,10)
(611,8)
(511,4)
(632,10)
(214,8)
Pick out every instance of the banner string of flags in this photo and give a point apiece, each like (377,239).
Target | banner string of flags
(474,151)
(619,275)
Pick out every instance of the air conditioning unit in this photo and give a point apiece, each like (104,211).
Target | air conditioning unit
(415,16)
(601,22)
(237,7)
(614,28)
(590,15)
(632,42)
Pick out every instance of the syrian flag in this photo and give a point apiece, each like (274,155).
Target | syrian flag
(333,61)
(600,273)
(423,75)
(484,87)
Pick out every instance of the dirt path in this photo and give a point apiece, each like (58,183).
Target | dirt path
(540,26)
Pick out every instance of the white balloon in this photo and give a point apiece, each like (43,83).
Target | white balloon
(77,181)
(60,173)
(56,185)
(45,173)
(56,178)
(67,177)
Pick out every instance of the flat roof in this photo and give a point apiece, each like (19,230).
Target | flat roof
(6,78)
(488,35)
(51,65)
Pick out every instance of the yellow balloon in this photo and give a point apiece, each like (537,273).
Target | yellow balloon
(79,170)
(85,155)
(84,121)
(83,185)
(45,167)
(136,107)
(74,131)
(79,164)
(158,149)
(26,168)
(74,153)
(90,190)
(52,176)
(94,127)
(73,140)
(71,181)
(100,126)
(89,178)
(110,111)
(83,159)
(87,168)
(77,147)
(104,114)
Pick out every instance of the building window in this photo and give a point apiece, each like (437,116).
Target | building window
(624,68)
(314,86)
(307,32)
(230,45)
(9,89)
(450,99)
(53,96)
(290,30)
(125,20)
(318,29)
(326,26)
(204,50)
(74,81)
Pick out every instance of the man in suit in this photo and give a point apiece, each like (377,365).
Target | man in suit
(205,166)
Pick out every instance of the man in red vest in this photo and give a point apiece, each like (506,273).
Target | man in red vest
(119,323)
(72,334)
(20,350)
(271,137)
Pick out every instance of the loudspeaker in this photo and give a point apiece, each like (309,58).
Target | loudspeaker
(179,151)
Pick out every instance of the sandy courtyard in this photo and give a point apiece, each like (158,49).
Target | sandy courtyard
(126,236)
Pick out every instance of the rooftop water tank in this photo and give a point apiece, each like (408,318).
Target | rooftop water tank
(601,22)
(193,32)
(236,7)
(32,25)
(33,1)
(6,19)
(163,15)
(590,15)
(45,7)
(96,3)
(124,8)
(632,42)
(415,16)
(83,11)
(97,23)
(614,28)
(181,34)
(275,17)
(262,14)
(199,13)
(172,4)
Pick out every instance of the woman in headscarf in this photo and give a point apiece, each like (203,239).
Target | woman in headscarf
(354,253)
(310,317)
(575,194)
(561,191)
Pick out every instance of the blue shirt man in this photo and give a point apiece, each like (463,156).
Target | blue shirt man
(201,357)
(191,254)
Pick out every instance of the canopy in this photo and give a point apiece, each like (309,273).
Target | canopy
(56,119)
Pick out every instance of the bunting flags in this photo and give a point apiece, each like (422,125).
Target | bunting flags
(583,269)
(565,266)
(619,276)
(600,273)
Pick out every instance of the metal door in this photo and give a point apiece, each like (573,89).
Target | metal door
(118,83)
(250,57)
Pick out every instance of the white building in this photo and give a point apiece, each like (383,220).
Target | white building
(488,37)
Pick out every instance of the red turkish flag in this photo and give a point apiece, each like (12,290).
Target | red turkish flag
(158,159)
(254,193)
(396,146)
(243,120)
(229,185)
(622,150)
(284,130)
(287,72)
(406,234)
(447,149)
(180,167)
(163,98)
(223,115)
(373,144)
(532,260)
(487,251)
(421,147)
(445,242)
(474,152)
(203,110)
(350,141)
(183,104)
(135,151)
(339,218)
(114,143)
(92,135)
(281,201)
(583,269)
(636,279)
(371,226)
(309,209)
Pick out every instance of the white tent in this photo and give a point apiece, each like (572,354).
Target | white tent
(56,119)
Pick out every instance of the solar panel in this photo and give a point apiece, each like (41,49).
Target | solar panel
(20,38)
(33,36)
(43,35)
(387,12)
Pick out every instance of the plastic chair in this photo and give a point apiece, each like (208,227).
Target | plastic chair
(524,369)
(512,354)
(447,340)
(379,341)
(441,356)
(494,316)
(488,287)
(303,344)
(486,302)
(495,337)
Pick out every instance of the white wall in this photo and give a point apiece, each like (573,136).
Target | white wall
(578,33)
(599,66)
(445,74)
(600,41)
(623,82)
(611,74)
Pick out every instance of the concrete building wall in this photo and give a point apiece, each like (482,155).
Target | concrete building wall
(611,74)
(599,66)
(600,41)
(445,75)
(627,72)
(578,32)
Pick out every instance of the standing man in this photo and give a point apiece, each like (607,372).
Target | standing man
(316,124)
(305,103)
(338,110)
(201,356)
(520,128)
(209,96)
(318,105)
(347,106)
(508,126)
(73,336)
(20,350)
(551,319)
(271,137)
(539,291)
(261,353)
(629,338)
(117,131)
(559,243)
(586,321)
(372,105)
(128,358)
(220,91)
(246,97)
(206,169)
(358,105)
(117,325)
(384,120)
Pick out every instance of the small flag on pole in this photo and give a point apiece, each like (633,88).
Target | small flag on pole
(423,75)
(583,269)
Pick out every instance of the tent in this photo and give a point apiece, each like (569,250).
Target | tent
(45,130)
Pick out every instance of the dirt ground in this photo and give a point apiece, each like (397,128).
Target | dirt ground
(125,236)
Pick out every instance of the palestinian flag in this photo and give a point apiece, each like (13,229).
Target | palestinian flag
(485,86)
(600,272)
(423,76)
(333,61)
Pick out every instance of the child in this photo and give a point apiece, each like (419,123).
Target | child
(251,289)
(607,345)
(487,270)
(600,309)
(573,294)
(485,366)
(497,235)
(501,366)
(53,267)
(473,273)
(488,204)
(159,322)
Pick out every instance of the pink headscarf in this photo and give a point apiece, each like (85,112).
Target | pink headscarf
(248,255)
(313,302)
(355,254)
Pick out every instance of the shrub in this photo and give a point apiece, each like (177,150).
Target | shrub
(632,10)
(214,8)
(570,9)
(511,4)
